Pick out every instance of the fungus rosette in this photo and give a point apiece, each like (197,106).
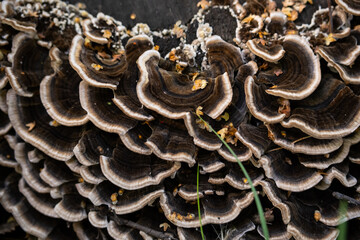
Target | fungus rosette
(100,138)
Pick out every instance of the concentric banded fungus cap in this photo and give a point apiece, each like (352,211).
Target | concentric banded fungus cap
(101,110)
(350,6)
(30,64)
(130,170)
(125,96)
(298,73)
(287,173)
(71,208)
(43,203)
(303,224)
(271,53)
(7,158)
(30,170)
(98,219)
(277,197)
(135,143)
(255,138)
(170,141)
(102,29)
(32,123)
(214,209)
(94,143)
(341,173)
(59,96)
(235,178)
(8,18)
(344,51)
(170,93)
(296,141)
(32,221)
(92,174)
(261,105)
(276,23)
(223,57)
(55,173)
(348,69)
(124,201)
(5,124)
(100,69)
(335,110)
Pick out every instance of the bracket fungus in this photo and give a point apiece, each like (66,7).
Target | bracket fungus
(100,129)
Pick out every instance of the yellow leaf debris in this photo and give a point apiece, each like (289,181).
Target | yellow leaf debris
(165,226)
(107,33)
(30,126)
(317,215)
(199,112)
(203,4)
(248,19)
(199,84)
(97,67)
(329,39)
(133,16)
(156,47)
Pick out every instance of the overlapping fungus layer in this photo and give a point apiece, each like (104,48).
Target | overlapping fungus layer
(99,136)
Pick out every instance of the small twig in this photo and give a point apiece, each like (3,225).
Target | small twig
(330,17)
(121,221)
(341,196)
(300,139)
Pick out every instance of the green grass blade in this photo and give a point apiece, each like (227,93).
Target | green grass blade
(256,196)
(342,227)
(198,202)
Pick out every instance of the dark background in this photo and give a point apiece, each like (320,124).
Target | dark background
(157,14)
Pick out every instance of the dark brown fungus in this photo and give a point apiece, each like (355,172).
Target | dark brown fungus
(105,71)
(8,15)
(223,57)
(271,53)
(304,226)
(135,143)
(298,73)
(55,173)
(71,208)
(349,6)
(122,201)
(130,170)
(60,97)
(172,94)
(287,173)
(255,138)
(7,158)
(334,108)
(214,209)
(30,64)
(98,219)
(346,66)
(32,123)
(92,174)
(43,203)
(277,198)
(84,230)
(296,141)
(261,105)
(103,113)
(125,96)
(341,173)
(93,144)
(235,178)
(208,162)
(31,171)
(170,141)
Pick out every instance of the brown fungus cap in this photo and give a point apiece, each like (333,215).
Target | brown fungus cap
(298,73)
(350,6)
(61,97)
(130,170)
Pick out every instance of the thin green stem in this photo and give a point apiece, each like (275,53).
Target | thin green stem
(256,196)
(342,227)
(198,202)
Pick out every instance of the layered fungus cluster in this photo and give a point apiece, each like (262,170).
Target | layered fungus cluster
(100,139)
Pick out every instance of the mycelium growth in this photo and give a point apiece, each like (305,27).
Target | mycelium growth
(99,136)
